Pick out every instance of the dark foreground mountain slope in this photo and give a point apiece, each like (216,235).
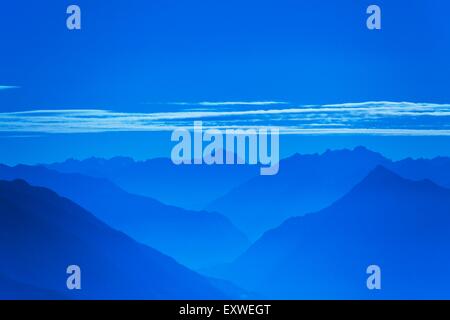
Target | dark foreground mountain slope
(403,226)
(13,290)
(195,239)
(41,234)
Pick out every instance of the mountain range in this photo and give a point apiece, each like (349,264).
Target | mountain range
(161,179)
(400,225)
(255,203)
(316,227)
(196,239)
(42,234)
(307,183)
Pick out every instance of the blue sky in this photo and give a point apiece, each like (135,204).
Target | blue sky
(311,67)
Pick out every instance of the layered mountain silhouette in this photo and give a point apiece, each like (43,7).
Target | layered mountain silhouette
(400,225)
(342,210)
(308,183)
(305,183)
(436,170)
(196,239)
(186,186)
(42,234)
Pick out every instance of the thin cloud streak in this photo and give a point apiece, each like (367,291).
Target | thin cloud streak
(374,118)
(8,87)
(230,103)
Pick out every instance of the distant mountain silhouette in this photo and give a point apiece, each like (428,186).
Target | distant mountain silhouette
(157,178)
(437,169)
(196,239)
(43,233)
(403,226)
(305,183)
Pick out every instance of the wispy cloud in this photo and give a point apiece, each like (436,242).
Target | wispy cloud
(373,117)
(230,103)
(8,87)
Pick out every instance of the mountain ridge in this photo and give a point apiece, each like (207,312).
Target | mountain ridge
(211,237)
(385,220)
(46,233)
(304,183)
(156,177)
